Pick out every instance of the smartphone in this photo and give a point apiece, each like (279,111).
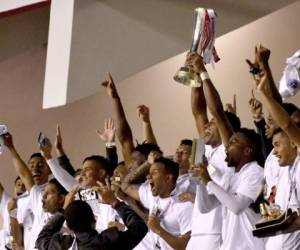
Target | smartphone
(3,131)
(42,140)
(88,194)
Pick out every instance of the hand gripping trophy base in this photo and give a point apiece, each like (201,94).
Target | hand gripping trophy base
(186,75)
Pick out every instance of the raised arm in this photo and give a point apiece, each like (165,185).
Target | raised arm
(261,64)
(265,86)
(198,102)
(280,116)
(214,103)
(20,166)
(62,158)
(124,132)
(148,134)
(260,123)
(63,177)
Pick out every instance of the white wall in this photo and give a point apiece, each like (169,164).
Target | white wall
(22,74)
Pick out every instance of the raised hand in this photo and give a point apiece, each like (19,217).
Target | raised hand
(46,149)
(204,175)
(108,134)
(107,194)
(231,107)
(58,142)
(110,86)
(194,60)
(70,197)
(256,107)
(261,63)
(144,113)
(153,156)
(8,141)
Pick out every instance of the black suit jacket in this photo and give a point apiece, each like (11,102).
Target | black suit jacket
(50,238)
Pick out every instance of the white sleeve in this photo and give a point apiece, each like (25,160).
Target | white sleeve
(204,201)
(184,217)
(237,203)
(144,190)
(62,176)
(251,184)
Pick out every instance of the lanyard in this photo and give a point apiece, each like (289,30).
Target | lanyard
(160,215)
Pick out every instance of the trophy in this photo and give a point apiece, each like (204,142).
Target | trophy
(203,44)
(273,220)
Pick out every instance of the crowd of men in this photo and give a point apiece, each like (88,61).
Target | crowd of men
(150,201)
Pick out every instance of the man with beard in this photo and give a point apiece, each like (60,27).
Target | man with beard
(169,220)
(244,188)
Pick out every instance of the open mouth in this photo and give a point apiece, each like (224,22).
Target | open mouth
(151,185)
(36,175)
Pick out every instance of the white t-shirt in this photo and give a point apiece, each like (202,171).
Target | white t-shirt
(287,196)
(271,173)
(40,217)
(174,216)
(103,213)
(25,217)
(237,228)
(186,183)
(5,230)
(211,223)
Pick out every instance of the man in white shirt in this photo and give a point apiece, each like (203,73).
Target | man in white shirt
(215,134)
(169,220)
(35,178)
(244,188)
(288,184)
(45,201)
(94,169)
(4,220)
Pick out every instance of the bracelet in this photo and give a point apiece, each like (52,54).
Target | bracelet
(13,213)
(204,76)
(110,144)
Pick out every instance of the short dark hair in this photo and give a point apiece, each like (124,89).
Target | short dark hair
(36,155)
(279,130)
(187,142)
(234,120)
(61,190)
(77,172)
(290,108)
(18,178)
(171,167)
(102,161)
(255,143)
(146,148)
(79,216)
